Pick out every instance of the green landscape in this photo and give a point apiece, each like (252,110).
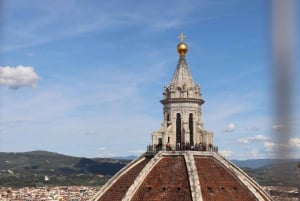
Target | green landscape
(41,168)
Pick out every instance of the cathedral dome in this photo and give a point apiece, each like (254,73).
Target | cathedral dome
(181,176)
(182,163)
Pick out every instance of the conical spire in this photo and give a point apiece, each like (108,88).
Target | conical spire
(182,85)
(182,77)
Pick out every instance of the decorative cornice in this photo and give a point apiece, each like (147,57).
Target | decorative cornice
(182,100)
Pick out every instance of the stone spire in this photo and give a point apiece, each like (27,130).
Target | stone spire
(182,102)
(182,77)
(182,84)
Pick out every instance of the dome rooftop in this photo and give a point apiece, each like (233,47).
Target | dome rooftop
(182,176)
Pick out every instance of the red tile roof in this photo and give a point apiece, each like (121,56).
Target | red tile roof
(218,183)
(168,180)
(120,187)
(182,176)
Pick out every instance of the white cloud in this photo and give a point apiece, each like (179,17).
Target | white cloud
(283,150)
(103,153)
(226,153)
(251,153)
(20,76)
(254,154)
(136,152)
(244,141)
(281,127)
(255,138)
(230,127)
(277,126)
(269,146)
(260,138)
(295,142)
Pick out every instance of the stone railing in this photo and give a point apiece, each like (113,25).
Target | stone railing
(182,147)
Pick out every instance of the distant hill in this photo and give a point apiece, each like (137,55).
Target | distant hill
(258,163)
(30,169)
(44,162)
(130,157)
(271,172)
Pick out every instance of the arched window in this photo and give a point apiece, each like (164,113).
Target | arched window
(191,127)
(168,119)
(178,128)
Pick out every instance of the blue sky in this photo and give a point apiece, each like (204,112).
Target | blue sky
(84,78)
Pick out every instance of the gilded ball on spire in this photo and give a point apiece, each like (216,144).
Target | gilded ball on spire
(182,48)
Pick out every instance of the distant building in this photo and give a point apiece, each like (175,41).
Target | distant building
(46,178)
(182,162)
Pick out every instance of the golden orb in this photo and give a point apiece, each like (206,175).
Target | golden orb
(182,48)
